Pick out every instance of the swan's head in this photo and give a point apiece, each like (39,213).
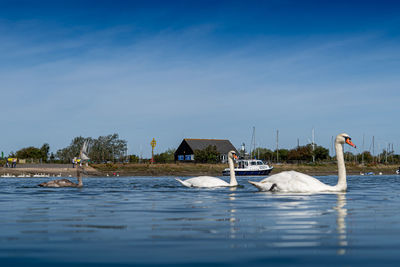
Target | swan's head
(232,155)
(345,138)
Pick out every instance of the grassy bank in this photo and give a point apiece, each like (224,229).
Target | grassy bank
(168,169)
(190,169)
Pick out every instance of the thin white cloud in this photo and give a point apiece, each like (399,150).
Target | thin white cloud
(170,83)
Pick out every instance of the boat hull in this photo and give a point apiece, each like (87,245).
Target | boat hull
(248,172)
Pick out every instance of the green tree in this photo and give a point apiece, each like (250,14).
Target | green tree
(165,157)
(102,149)
(367,157)
(301,153)
(265,154)
(67,154)
(321,153)
(208,155)
(133,159)
(29,153)
(45,151)
(52,157)
(348,156)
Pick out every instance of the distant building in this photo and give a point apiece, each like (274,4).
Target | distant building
(185,151)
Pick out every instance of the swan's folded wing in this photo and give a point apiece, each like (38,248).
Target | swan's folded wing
(204,181)
(263,186)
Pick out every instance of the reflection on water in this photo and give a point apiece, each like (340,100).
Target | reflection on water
(232,212)
(341,222)
(132,221)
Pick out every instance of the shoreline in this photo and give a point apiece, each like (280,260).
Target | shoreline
(63,172)
(189,169)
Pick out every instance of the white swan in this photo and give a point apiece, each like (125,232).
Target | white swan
(208,181)
(296,182)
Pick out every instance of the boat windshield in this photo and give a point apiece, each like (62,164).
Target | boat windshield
(242,164)
(259,162)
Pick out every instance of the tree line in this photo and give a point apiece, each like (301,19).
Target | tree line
(101,149)
(111,148)
(306,154)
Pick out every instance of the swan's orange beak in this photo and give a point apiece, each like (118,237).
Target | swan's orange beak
(348,141)
(234,156)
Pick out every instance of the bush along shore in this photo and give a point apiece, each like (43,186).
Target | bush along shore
(192,169)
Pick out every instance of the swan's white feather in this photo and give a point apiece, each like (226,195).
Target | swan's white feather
(203,181)
(292,181)
(296,182)
(208,181)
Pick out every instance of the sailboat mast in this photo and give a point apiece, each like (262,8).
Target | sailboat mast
(277,146)
(362,152)
(253,142)
(313,145)
(373,148)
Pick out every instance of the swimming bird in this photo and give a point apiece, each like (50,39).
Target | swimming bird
(296,182)
(65,182)
(209,182)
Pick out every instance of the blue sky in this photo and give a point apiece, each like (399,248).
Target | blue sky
(199,69)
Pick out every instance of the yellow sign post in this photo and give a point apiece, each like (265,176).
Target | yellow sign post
(153,144)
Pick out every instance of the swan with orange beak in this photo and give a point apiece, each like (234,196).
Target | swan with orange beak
(296,182)
(209,182)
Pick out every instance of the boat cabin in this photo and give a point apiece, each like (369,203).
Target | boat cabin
(242,164)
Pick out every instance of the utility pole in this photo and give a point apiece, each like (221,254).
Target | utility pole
(277,146)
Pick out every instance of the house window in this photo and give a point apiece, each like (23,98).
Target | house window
(180,157)
(223,158)
(188,157)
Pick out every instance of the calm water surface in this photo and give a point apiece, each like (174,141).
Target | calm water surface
(156,221)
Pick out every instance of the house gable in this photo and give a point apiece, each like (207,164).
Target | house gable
(185,151)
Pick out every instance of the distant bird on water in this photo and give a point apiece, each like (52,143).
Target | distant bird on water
(65,182)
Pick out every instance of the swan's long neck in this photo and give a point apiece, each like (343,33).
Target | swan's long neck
(233,181)
(78,175)
(342,183)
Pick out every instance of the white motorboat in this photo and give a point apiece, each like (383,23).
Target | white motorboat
(250,167)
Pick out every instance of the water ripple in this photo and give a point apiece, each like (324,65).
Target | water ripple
(156,221)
